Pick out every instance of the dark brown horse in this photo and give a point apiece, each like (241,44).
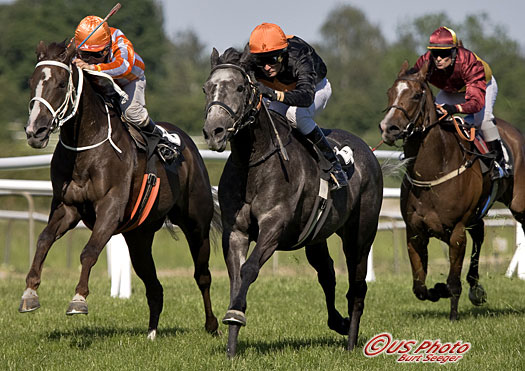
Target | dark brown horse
(444,191)
(267,198)
(97,173)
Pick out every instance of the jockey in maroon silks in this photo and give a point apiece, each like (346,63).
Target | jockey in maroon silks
(467,86)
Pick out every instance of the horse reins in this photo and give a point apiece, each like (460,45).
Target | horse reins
(58,115)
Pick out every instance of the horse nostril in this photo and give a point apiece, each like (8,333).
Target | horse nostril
(40,131)
(393,128)
(218,131)
(205,134)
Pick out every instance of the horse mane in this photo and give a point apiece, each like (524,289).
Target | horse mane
(243,59)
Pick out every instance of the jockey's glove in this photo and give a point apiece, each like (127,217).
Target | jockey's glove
(266,91)
(450,108)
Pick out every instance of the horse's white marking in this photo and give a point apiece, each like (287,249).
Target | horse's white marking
(152,335)
(218,79)
(401,87)
(35,111)
(78,297)
(29,293)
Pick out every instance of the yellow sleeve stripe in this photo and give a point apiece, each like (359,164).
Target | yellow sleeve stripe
(280,95)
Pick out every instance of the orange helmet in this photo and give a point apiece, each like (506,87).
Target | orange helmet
(443,38)
(267,37)
(96,42)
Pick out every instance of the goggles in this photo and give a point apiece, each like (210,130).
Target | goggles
(262,61)
(443,53)
(97,55)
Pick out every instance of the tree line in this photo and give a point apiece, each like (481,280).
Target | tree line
(362,63)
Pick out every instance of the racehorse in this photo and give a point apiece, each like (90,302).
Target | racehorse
(268,196)
(97,174)
(444,192)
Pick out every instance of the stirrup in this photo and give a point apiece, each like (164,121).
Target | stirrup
(167,153)
(338,178)
(498,172)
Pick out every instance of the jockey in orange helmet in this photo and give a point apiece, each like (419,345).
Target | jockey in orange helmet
(108,50)
(467,86)
(293,77)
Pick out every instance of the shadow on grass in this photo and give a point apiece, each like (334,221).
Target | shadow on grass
(468,313)
(263,347)
(83,337)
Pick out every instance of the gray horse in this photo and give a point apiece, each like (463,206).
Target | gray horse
(268,190)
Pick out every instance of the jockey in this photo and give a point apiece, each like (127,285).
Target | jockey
(108,50)
(293,77)
(467,86)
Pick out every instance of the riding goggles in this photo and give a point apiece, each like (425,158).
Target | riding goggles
(97,55)
(262,61)
(442,53)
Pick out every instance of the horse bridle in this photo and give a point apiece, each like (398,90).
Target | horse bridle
(72,97)
(251,104)
(411,127)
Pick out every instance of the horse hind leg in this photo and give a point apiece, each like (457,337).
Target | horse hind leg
(319,258)
(62,219)
(477,294)
(199,242)
(139,245)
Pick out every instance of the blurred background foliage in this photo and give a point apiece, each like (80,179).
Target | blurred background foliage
(362,64)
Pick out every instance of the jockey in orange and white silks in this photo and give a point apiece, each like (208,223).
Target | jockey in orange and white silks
(467,86)
(292,76)
(109,51)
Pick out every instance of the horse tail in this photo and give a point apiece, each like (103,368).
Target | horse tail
(394,167)
(216,223)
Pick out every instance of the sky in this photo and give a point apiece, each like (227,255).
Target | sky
(225,23)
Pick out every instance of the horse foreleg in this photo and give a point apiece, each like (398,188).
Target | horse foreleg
(102,231)
(139,244)
(458,241)
(63,218)
(477,294)
(418,255)
(319,258)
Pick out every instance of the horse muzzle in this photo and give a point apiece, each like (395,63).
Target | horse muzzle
(216,136)
(37,135)
(389,132)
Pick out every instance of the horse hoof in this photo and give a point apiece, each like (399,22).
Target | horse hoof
(77,306)
(477,295)
(234,317)
(29,304)
(212,326)
(340,325)
(152,335)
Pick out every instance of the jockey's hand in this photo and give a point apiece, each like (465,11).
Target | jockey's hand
(266,91)
(450,108)
(84,65)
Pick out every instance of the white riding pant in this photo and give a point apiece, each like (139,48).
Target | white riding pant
(483,119)
(303,117)
(134,109)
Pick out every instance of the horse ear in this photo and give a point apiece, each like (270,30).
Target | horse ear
(71,51)
(41,50)
(246,57)
(403,70)
(422,73)
(214,59)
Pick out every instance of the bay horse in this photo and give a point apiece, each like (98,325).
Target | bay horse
(97,173)
(268,197)
(444,191)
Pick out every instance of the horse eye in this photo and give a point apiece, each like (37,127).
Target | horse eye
(417,96)
(62,85)
(240,88)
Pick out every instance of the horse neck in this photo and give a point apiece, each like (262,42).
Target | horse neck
(90,124)
(435,150)
(254,141)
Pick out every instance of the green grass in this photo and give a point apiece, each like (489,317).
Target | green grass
(286,327)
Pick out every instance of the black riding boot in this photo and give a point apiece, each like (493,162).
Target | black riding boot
(337,173)
(164,147)
(499,170)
